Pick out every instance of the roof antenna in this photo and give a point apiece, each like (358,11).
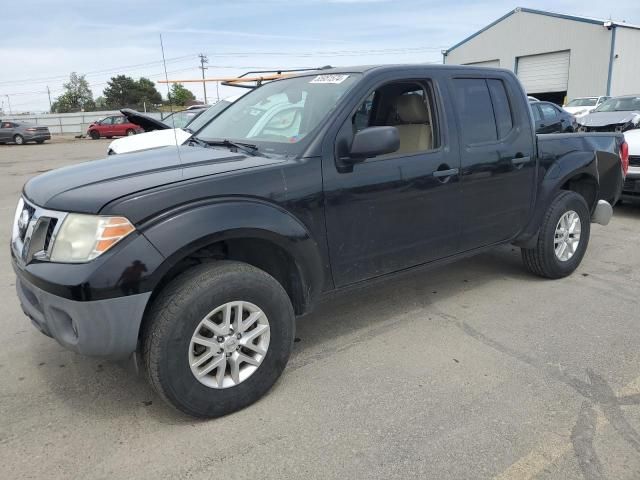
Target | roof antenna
(173,120)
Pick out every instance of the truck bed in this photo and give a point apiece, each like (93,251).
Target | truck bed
(606,146)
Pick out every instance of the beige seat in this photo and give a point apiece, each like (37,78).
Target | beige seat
(411,117)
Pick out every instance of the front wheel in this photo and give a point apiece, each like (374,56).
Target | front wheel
(563,237)
(94,134)
(217,338)
(18,139)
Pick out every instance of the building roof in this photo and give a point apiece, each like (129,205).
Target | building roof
(575,18)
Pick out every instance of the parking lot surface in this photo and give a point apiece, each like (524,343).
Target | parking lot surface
(476,370)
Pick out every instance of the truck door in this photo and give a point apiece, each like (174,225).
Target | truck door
(397,210)
(119,128)
(497,156)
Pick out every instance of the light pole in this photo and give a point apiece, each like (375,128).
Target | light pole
(9,101)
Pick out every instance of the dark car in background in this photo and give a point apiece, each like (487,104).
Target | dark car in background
(550,118)
(22,132)
(113,126)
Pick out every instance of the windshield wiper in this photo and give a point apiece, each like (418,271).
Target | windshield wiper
(249,148)
(193,140)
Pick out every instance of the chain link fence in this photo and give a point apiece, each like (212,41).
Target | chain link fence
(69,123)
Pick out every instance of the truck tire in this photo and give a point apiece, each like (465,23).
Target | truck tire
(205,358)
(563,237)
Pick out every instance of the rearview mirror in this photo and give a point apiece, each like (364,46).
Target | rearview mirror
(374,141)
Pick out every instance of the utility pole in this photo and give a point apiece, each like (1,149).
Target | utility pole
(49,94)
(203,60)
(9,101)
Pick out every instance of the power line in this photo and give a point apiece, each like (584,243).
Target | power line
(97,72)
(318,53)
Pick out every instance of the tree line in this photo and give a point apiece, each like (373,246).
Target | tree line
(121,92)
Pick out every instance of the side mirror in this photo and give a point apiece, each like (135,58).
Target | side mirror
(373,141)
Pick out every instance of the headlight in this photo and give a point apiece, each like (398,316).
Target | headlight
(84,237)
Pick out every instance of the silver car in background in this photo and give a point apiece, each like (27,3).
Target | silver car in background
(617,114)
(20,133)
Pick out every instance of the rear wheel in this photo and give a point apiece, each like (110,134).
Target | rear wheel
(217,338)
(563,237)
(130,132)
(18,139)
(94,134)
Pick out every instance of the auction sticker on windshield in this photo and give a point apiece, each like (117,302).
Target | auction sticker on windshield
(329,79)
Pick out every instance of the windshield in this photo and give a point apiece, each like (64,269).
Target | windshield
(201,120)
(182,118)
(582,102)
(278,116)
(620,104)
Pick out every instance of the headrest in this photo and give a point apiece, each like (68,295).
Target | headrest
(411,109)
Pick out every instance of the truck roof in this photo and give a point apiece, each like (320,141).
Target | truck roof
(392,67)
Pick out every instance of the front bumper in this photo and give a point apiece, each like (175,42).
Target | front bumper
(631,187)
(105,328)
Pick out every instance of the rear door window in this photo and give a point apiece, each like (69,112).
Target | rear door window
(475,110)
(501,107)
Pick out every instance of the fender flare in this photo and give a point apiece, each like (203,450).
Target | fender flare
(206,222)
(563,169)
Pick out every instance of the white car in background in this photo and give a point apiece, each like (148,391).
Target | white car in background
(176,129)
(580,106)
(631,189)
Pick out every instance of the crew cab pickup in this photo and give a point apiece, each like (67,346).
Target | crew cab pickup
(197,258)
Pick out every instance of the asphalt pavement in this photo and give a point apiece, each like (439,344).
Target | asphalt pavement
(476,370)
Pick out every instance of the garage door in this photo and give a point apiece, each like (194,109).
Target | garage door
(488,63)
(548,72)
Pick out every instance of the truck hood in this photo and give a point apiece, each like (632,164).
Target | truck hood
(147,140)
(601,119)
(87,187)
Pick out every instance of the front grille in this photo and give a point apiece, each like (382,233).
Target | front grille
(605,128)
(33,231)
(631,187)
(31,210)
(634,160)
(49,234)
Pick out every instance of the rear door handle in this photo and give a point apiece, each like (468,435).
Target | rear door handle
(445,173)
(520,160)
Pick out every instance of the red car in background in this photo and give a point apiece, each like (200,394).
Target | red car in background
(114,126)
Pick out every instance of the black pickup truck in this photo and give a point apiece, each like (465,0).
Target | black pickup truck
(198,258)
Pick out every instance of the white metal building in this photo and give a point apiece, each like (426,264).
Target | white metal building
(557,55)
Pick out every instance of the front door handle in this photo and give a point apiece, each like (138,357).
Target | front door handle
(520,160)
(445,173)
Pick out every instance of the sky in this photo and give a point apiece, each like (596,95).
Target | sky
(45,40)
